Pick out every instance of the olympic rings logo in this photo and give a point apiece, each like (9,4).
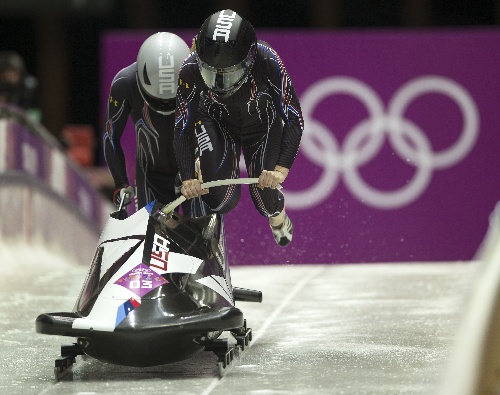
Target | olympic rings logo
(364,141)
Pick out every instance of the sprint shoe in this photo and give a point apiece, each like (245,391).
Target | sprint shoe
(283,233)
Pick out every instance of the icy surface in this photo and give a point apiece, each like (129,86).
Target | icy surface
(339,329)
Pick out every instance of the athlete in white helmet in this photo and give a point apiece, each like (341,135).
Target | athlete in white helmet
(145,91)
(235,96)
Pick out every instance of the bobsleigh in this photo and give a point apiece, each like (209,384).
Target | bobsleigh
(158,291)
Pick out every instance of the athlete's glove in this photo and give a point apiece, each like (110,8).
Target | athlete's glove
(123,196)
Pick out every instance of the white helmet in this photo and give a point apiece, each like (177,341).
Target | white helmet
(158,62)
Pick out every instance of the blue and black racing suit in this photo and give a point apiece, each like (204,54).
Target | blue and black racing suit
(262,119)
(156,167)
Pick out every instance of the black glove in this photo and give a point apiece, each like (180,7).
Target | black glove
(123,196)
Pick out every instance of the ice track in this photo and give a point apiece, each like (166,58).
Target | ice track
(333,329)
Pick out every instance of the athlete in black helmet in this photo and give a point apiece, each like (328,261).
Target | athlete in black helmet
(235,95)
(145,91)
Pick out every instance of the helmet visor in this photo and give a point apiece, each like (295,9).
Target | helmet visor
(229,79)
(221,80)
(162,106)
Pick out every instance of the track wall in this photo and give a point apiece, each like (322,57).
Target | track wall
(475,363)
(46,198)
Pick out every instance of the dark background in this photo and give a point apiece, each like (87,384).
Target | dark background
(59,39)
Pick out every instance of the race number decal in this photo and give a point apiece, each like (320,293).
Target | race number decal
(141,280)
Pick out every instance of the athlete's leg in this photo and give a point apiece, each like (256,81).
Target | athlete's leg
(140,187)
(154,185)
(261,153)
(219,157)
(160,187)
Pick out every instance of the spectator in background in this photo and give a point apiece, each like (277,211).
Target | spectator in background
(17,87)
(145,91)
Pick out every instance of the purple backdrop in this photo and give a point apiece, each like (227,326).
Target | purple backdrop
(400,159)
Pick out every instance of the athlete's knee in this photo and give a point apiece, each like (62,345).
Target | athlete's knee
(267,201)
(223,201)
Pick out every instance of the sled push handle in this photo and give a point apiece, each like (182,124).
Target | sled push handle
(231,181)
(247,295)
(121,213)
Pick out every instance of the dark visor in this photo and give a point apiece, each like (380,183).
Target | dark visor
(226,79)
(221,80)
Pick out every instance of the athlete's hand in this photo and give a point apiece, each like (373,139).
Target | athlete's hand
(192,188)
(271,179)
(123,196)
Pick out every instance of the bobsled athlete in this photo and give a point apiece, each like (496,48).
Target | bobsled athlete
(235,95)
(145,91)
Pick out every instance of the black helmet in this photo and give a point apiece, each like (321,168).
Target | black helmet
(226,49)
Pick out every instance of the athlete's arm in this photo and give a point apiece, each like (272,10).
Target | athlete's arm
(186,114)
(287,103)
(118,110)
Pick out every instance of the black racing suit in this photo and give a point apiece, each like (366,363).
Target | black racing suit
(156,167)
(262,118)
